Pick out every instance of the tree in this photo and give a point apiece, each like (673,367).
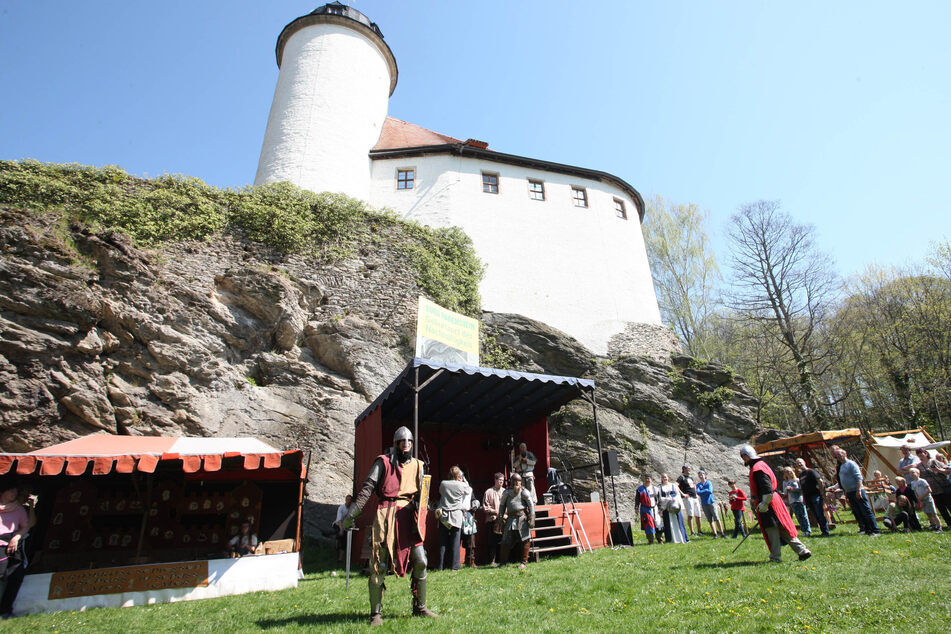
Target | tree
(782,283)
(684,269)
(899,323)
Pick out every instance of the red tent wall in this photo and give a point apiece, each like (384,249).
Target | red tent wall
(368,444)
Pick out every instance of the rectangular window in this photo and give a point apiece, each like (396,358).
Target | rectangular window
(619,209)
(579,196)
(490,183)
(405,179)
(536,190)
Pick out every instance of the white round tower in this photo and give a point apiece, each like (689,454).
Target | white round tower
(336,76)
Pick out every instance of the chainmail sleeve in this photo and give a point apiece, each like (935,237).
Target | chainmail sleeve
(369,486)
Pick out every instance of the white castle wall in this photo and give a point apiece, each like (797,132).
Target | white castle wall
(329,106)
(581,270)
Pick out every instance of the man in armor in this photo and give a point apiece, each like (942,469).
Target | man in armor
(517,516)
(523,463)
(397,479)
(774,520)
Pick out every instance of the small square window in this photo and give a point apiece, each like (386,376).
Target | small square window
(619,209)
(490,183)
(405,179)
(536,190)
(579,196)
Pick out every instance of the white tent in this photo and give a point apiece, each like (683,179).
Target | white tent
(883,450)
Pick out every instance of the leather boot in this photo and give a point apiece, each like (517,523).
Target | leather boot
(376,603)
(470,553)
(504,553)
(418,587)
(526,547)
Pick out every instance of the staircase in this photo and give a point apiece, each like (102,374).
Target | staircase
(549,539)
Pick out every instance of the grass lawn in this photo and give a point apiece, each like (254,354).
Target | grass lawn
(897,582)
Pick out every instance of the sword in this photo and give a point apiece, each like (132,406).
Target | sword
(748,533)
(349,545)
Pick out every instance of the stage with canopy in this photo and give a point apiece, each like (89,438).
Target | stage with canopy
(472,417)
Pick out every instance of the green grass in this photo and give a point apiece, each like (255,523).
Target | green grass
(852,583)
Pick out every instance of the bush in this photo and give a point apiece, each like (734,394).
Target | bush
(280,215)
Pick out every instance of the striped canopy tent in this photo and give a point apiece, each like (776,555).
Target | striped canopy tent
(141,508)
(102,454)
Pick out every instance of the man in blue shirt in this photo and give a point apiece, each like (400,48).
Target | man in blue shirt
(709,504)
(850,480)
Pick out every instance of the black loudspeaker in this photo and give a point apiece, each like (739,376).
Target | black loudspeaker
(611,466)
(621,534)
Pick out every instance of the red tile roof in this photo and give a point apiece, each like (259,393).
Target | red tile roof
(400,134)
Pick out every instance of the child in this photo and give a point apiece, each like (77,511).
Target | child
(737,502)
(902,511)
(793,494)
(925,500)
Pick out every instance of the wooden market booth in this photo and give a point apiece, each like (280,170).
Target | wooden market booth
(812,447)
(472,417)
(133,520)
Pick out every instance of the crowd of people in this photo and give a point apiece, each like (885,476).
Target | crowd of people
(669,512)
(802,492)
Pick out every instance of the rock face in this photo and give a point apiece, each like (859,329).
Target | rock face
(657,415)
(229,338)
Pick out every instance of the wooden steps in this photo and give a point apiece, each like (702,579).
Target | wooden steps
(551,540)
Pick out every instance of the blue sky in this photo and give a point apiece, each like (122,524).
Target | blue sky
(838,109)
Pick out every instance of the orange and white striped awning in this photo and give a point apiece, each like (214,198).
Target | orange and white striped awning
(128,454)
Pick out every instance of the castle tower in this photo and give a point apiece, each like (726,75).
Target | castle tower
(336,76)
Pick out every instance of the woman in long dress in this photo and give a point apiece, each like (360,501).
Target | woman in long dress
(671,504)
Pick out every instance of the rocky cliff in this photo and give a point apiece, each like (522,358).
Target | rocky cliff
(228,336)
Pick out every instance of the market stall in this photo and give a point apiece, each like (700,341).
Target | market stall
(129,520)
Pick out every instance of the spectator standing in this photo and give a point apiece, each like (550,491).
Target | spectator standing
(908,460)
(813,494)
(490,504)
(937,479)
(15,523)
(523,463)
(671,506)
(737,504)
(709,504)
(850,480)
(342,511)
(793,494)
(453,493)
(646,505)
(688,491)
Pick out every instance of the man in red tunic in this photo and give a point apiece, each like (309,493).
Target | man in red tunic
(397,479)
(774,520)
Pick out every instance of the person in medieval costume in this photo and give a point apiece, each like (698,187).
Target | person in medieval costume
(397,479)
(774,520)
(517,516)
(523,463)
(647,506)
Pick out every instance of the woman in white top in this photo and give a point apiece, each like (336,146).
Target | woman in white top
(671,505)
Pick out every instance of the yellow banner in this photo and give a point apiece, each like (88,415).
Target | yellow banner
(442,335)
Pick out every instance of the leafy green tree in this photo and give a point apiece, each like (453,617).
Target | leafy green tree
(684,269)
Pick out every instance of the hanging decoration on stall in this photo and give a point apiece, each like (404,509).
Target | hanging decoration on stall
(445,336)
(101,525)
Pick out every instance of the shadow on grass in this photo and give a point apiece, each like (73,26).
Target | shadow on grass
(313,619)
(724,564)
